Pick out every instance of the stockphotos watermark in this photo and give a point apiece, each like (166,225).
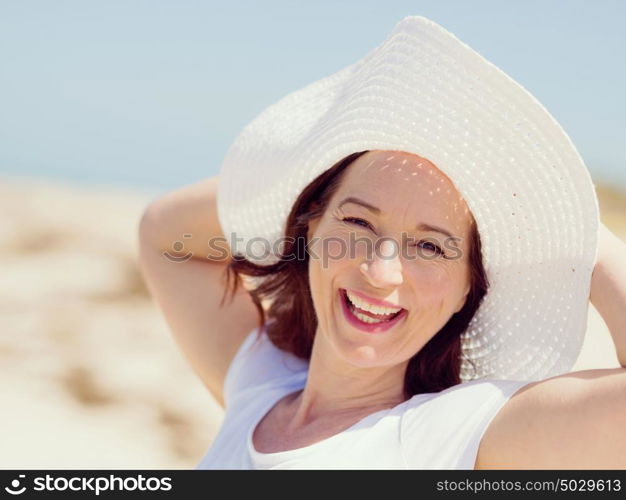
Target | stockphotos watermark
(332,248)
(95,485)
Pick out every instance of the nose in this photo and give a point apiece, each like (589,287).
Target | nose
(385,269)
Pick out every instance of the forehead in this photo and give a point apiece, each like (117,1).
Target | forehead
(405,183)
(405,170)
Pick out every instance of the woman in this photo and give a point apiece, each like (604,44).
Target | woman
(409,323)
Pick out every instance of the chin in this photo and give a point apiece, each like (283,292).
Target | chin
(362,353)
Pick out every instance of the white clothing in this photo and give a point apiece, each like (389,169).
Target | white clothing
(440,430)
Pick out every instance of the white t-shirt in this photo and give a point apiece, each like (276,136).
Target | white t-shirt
(440,430)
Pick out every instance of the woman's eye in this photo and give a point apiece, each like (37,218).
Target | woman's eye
(424,244)
(357,221)
(433,247)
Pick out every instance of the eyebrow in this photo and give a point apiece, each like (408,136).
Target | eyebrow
(421,227)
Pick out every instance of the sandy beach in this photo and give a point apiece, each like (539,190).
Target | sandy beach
(91,377)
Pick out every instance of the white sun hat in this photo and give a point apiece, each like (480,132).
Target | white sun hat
(424,91)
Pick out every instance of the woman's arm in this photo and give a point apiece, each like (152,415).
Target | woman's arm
(188,287)
(571,421)
(608,288)
(188,216)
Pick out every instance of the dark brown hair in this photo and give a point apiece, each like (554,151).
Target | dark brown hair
(285,285)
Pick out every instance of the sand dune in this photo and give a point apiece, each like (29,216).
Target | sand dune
(90,375)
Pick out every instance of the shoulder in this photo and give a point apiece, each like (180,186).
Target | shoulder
(443,429)
(259,362)
(575,420)
(467,396)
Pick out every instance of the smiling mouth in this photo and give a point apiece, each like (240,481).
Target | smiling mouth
(368,317)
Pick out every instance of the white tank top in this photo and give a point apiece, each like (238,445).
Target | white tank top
(439,430)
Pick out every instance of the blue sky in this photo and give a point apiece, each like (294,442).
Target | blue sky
(150,94)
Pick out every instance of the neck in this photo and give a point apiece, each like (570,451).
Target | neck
(336,387)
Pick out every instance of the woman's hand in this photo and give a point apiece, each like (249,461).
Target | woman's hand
(608,287)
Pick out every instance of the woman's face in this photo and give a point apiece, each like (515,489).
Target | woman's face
(382,249)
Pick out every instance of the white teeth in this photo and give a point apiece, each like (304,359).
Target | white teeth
(367,319)
(366,306)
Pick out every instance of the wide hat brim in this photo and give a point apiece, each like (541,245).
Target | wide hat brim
(425,92)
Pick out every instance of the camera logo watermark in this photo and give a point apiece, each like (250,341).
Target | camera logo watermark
(15,486)
(179,246)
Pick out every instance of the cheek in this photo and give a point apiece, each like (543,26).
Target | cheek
(325,259)
(331,247)
(437,285)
